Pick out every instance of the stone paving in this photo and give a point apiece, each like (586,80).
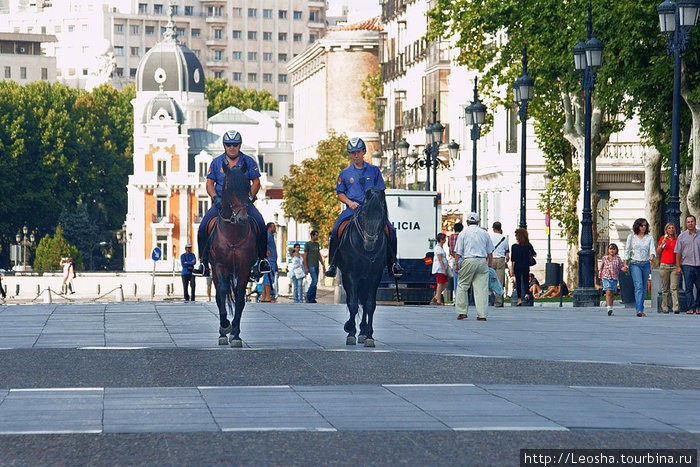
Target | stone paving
(550,334)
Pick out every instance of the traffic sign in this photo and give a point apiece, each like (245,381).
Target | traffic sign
(156,254)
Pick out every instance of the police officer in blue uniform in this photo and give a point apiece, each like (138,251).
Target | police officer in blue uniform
(233,157)
(352,183)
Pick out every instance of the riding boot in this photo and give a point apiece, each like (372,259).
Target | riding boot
(263,266)
(393,266)
(203,267)
(332,247)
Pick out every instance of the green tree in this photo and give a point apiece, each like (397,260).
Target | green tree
(222,95)
(372,88)
(51,249)
(309,189)
(80,230)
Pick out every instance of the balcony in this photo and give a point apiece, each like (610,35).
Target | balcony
(160,219)
(213,62)
(221,3)
(625,153)
(216,41)
(217,19)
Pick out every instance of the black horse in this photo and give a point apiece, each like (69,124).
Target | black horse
(231,252)
(361,258)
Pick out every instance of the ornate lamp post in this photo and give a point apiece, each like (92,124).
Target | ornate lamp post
(522,91)
(25,240)
(434,139)
(474,115)
(676,21)
(588,57)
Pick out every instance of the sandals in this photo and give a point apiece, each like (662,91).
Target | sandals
(640,314)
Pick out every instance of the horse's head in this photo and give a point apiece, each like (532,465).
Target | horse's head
(234,196)
(374,204)
(372,217)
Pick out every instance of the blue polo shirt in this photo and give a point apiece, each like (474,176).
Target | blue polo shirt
(353,182)
(216,170)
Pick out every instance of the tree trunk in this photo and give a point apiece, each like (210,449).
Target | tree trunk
(684,187)
(653,193)
(693,196)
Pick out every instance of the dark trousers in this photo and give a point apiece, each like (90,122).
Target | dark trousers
(2,291)
(522,281)
(188,280)
(311,292)
(691,277)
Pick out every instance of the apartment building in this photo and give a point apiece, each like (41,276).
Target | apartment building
(246,42)
(22,60)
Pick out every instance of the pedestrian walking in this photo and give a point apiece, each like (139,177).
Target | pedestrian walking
(440,269)
(522,255)
(2,289)
(269,277)
(473,257)
(609,273)
(188,260)
(501,256)
(451,242)
(688,262)
(670,279)
(640,254)
(297,274)
(68,275)
(312,258)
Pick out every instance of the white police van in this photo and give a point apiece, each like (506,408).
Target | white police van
(417,217)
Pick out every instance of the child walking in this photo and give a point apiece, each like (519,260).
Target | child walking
(610,273)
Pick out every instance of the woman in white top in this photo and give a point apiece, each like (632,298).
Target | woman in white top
(298,273)
(439,269)
(640,253)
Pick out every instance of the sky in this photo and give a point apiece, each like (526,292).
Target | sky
(362,5)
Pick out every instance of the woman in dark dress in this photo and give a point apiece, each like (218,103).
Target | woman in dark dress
(520,254)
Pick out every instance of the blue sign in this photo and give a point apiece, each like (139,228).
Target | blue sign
(156,254)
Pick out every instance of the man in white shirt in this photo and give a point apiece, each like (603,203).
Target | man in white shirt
(473,257)
(501,256)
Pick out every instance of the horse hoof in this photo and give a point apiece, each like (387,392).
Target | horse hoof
(236,343)
(347,327)
(361,339)
(223,331)
(369,342)
(350,340)
(223,340)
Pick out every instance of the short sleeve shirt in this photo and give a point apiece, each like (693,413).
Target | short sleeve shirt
(474,242)
(216,170)
(689,247)
(353,181)
(312,254)
(271,246)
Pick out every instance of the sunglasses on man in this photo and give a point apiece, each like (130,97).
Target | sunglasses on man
(232,145)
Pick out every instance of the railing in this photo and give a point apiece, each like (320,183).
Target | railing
(392,8)
(626,152)
(398,66)
(157,219)
(161,178)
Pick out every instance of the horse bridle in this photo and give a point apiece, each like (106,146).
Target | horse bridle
(235,217)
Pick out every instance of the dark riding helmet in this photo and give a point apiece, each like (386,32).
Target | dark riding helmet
(232,136)
(356,144)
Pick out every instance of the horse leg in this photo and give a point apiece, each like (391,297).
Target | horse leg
(224,323)
(368,310)
(363,323)
(349,326)
(239,303)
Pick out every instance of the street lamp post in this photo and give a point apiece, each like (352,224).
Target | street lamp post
(474,115)
(25,240)
(548,221)
(434,137)
(676,21)
(588,57)
(522,91)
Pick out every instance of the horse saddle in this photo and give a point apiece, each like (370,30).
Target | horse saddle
(212,224)
(346,222)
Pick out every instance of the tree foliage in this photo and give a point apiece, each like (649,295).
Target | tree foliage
(309,190)
(372,88)
(51,249)
(59,145)
(222,95)
(79,230)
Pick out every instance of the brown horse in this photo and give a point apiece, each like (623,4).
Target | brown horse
(231,252)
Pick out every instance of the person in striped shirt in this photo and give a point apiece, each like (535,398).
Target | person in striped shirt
(609,273)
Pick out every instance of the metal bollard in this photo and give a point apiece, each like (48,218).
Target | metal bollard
(98,289)
(135,289)
(119,294)
(38,289)
(17,290)
(47,296)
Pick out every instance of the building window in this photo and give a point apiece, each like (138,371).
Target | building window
(218,55)
(194,32)
(203,170)
(297,14)
(218,34)
(297,37)
(118,50)
(267,13)
(85,72)
(44,74)
(282,98)
(253,77)
(237,34)
(282,14)
(237,55)
(202,203)
(162,168)
(189,11)
(312,38)
(132,72)
(267,77)
(134,29)
(71,28)
(215,11)
(23,72)
(218,74)
(43,29)
(150,30)
(118,29)
(267,57)
(157,9)
(143,8)
(253,35)
(57,28)
(315,16)
(71,71)
(196,52)
(282,78)
(252,56)
(252,12)
(162,243)
(238,12)
(119,72)
(282,36)
(237,76)
(267,168)
(134,51)
(267,36)
(174,7)
(282,57)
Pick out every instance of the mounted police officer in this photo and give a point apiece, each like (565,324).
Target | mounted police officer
(352,183)
(233,157)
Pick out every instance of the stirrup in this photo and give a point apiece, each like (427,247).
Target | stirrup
(331,271)
(396,271)
(202,269)
(264,266)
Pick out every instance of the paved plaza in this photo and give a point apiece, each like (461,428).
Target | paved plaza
(129,376)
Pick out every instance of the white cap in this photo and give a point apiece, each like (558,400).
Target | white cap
(473,217)
(188,245)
